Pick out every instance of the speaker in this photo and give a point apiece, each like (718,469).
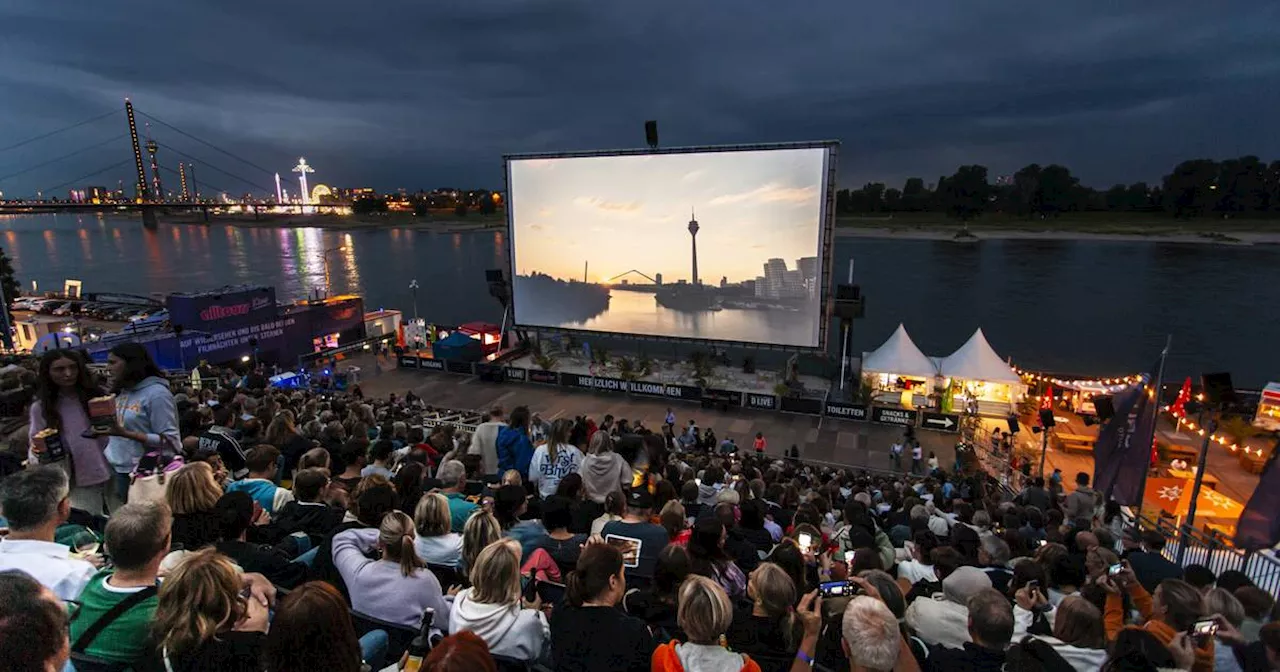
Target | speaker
(1102,403)
(1046,418)
(651,133)
(1014,428)
(1218,388)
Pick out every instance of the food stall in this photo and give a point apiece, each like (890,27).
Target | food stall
(1268,416)
(981,379)
(901,375)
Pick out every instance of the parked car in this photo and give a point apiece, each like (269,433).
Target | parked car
(51,305)
(68,308)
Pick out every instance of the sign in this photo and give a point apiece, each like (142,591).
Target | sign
(540,376)
(839,409)
(893,416)
(211,311)
(807,405)
(650,389)
(766,402)
(516,374)
(458,367)
(225,344)
(711,395)
(684,392)
(431,364)
(590,382)
(408,361)
(493,373)
(942,422)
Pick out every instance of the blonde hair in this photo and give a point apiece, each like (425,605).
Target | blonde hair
(395,534)
(199,599)
(600,443)
(431,517)
(193,489)
(495,578)
(775,592)
(481,530)
(705,611)
(511,477)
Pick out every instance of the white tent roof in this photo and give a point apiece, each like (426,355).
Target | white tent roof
(975,360)
(899,355)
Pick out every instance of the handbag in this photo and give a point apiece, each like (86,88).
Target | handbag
(150,479)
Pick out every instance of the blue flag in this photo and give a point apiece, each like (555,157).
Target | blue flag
(1132,464)
(1114,438)
(1259,526)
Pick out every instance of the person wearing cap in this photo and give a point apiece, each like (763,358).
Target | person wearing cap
(944,619)
(639,539)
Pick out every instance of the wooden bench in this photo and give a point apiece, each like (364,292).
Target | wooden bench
(1075,443)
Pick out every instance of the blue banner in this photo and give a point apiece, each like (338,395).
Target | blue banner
(1259,526)
(1114,438)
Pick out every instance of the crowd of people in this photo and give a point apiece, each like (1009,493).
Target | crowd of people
(237,527)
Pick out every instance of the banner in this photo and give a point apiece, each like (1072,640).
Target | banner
(545,377)
(901,417)
(1259,526)
(766,402)
(805,405)
(408,361)
(714,396)
(1134,459)
(839,409)
(940,422)
(458,367)
(516,374)
(1114,438)
(589,382)
(431,364)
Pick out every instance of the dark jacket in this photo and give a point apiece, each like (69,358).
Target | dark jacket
(313,520)
(972,658)
(266,561)
(515,451)
(1152,568)
(323,569)
(194,531)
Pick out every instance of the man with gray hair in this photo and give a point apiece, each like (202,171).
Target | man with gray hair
(993,555)
(36,501)
(453,480)
(871,639)
(990,631)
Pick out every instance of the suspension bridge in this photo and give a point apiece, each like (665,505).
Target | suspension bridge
(125,149)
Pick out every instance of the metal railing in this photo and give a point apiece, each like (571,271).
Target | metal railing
(1217,553)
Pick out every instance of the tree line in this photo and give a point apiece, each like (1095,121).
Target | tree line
(1245,186)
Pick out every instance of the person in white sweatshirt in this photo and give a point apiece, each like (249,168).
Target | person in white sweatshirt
(484,441)
(494,609)
(555,459)
(1079,635)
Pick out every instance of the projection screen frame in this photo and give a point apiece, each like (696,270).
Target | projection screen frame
(826,239)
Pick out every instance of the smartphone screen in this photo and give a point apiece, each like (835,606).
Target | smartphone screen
(838,589)
(805,540)
(1115,569)
(848,557)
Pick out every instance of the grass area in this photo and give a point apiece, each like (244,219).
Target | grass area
(1088,222)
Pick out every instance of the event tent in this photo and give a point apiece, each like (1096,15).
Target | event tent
(976,360)
(458,346)
(899,356)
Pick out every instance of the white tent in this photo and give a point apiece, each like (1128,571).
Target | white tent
(976,360)
(899,356)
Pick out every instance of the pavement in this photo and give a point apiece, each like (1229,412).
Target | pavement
(820,439)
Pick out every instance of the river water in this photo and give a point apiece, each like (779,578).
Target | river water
(1088,307)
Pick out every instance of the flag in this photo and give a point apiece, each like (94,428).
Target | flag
(1134,457)
(1114,436)
(1259,525)
(1047,400)
(1179,407)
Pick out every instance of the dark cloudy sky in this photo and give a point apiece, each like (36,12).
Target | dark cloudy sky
(420,94)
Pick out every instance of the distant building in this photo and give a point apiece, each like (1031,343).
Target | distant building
(779,282)
(749,287)
(657,279)
(97,194)
(760,287)
(808,267)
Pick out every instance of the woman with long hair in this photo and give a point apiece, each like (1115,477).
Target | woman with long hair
(192,496)
(204,622)
(63,390)
(594,589)
(408,484)
(313,613)
(603,471)
(768,627)
(657,603)
(515,449)
(708,557)
(283,434)
(146,416)
(397,587)
(555,459)
(437,543)
(481,530)
(494,609)
(705,614)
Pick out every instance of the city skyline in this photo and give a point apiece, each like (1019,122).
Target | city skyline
(622,213)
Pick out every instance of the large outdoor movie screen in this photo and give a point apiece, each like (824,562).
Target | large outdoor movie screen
(700,244)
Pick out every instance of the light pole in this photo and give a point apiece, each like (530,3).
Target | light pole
(325,257)
(413,285)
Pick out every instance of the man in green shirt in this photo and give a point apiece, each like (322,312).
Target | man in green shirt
(453,476)
(137,539)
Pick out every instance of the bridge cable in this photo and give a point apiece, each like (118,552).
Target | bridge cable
(60,130)
(210,165)
(85,177)
(64,157)
(205,142)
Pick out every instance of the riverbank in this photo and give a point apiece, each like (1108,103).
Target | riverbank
(1144,229)
(449,223)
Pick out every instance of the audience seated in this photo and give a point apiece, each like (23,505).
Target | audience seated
(595,588)
(436,543)
(397,587)
(35,502)
(495,609)
(33,624)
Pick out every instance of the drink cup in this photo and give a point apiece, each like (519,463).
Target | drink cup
(48,443)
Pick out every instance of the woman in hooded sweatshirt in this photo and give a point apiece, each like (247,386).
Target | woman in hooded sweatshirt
(1078,632)
(515,450)
(603,471)
(494,609)
(146,417)
(555,459)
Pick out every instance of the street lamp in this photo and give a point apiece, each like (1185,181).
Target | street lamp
(325,257)
(413,285)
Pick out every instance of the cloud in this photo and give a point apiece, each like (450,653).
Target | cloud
(612,207)
(545,212)
(692,176)
(770,193)
(536,227)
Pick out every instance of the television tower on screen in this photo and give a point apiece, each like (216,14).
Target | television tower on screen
(693,234)
(302,168)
